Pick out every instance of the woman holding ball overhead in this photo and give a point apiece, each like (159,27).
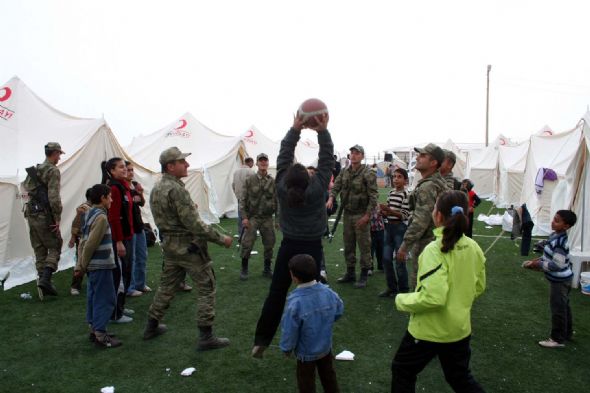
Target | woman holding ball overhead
(302,218)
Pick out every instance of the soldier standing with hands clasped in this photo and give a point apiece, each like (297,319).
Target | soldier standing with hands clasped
(43,213)
(358,185)
(184,242)
(257,205)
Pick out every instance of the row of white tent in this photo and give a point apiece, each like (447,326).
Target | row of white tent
(507,173)
(27,123)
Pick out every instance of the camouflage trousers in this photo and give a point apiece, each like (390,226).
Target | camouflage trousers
(416,250)
(354,236)
(267,233)
(46,244)
(177,264)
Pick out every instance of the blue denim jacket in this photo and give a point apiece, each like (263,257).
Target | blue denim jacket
(307,322)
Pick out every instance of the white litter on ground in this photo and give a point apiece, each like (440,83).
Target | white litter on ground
(108,389)
(331,219)
(187,372)
(26,296)
(488,227)
(494,219)
(342,249)
(236,236)
(254,253)
(345,355)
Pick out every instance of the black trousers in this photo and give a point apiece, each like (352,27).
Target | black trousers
(561,313)
(122,272)
(413,355)
(306,375)
(272,310)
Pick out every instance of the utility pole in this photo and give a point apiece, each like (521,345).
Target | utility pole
(488,104)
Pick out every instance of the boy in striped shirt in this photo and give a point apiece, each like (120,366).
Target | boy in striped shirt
(397,212)
(558,271)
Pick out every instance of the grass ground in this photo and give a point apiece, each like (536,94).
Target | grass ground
(44,345)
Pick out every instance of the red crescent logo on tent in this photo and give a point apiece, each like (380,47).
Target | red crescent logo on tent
(7,93)
(547,133)
(183,124)
(249,134)
(502,142)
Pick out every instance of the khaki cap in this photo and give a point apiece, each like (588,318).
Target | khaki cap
(54,146)
(358,148)
(260,156)
(436,152)
(172,154)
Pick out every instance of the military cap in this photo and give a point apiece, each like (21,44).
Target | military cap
(450,155)
(436,152)
(358,148)
(172,154)
(261,156)
(52,146)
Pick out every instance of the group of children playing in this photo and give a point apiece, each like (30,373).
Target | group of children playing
(451,276)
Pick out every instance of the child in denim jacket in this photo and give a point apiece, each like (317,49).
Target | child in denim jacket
(312,308)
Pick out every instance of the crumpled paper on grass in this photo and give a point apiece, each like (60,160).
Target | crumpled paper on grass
(345,355)
(188,371)
(108,389)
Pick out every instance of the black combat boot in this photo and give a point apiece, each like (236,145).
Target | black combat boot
(45,282)
(208,341)
(153,329)
(349,276)
(362,282)
(244,271)
(267,272)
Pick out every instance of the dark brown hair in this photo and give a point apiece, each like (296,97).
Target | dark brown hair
(453,206)
(296,180)
(106,167)
(303,267)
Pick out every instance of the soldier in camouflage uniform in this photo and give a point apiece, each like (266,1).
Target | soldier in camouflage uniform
(358,185)
(43,213)
(422,201)
(446,170)
(184,243)
(258,203)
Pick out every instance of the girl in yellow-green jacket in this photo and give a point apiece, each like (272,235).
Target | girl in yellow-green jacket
(451,275)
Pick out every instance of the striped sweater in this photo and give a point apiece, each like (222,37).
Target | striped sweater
(97,244)
(555,261)
(398,200)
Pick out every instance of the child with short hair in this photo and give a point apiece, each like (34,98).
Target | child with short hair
(96,258)
(306,327)
(451,275)
(557,267)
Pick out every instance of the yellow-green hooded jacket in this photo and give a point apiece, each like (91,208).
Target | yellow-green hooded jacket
(448,284)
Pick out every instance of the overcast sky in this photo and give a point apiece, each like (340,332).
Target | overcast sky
(391,72)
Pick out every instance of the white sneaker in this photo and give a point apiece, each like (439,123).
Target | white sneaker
(74,292)
(134,293)
(123,319)
(128,312)
(550,343)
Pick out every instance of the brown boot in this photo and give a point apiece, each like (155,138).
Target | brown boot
(349,276)
(45,283)
(362,282)
(103,340)
(153,329)
(208,341)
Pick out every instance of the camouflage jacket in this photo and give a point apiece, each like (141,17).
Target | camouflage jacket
(78,221)
(175,213)
(422,201)
(259,197)
(452,182)
(358,188)
(50,175)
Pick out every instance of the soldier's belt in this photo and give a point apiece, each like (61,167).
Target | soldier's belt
(177,234)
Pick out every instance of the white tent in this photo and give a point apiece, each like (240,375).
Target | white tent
(306,151)
(483,168)
(213,160)
(556,152)
(28,123)
(511,165)
(575,190)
